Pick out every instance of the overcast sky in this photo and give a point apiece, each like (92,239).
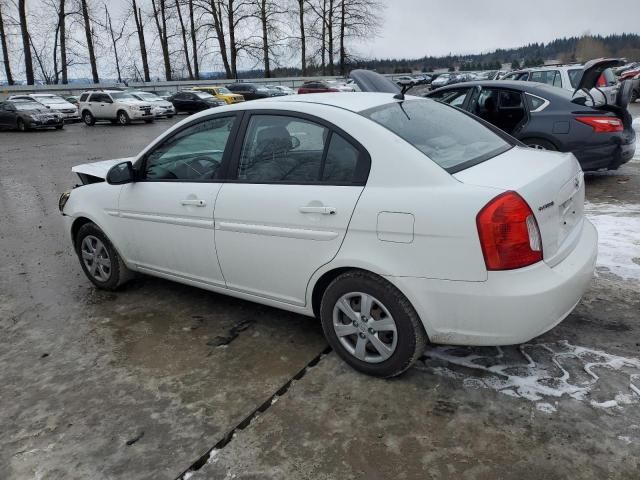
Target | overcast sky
(415,28)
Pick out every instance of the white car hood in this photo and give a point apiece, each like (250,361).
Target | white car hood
(99,169)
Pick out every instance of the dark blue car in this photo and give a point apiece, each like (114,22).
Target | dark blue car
(546,117)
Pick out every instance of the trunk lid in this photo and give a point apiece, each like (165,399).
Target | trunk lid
(551,183)
(592,71)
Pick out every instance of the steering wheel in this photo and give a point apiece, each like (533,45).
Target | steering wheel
(202,166)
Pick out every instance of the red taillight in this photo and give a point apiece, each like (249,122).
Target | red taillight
(602,81)
(332,90)
(509,233)
(603,124)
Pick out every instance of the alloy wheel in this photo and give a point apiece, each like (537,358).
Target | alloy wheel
(364,327)
(96,258)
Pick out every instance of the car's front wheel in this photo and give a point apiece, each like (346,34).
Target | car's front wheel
(21,125)
(99,259)
(88,119)
(371,324)
(123,118)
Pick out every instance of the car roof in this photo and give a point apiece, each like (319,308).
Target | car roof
(352,101)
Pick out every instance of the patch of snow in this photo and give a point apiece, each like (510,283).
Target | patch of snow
(636,127)
(618,237)
(546,407)
(536,372)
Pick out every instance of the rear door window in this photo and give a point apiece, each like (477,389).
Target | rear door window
(450,138)
(550,77)
(575,74)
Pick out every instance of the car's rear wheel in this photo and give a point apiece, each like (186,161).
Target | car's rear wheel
(99,259)
(371,324)
(539,144)
(149,120)
(59,127)
(634,96)
(88,119)
(123,118)
(22,126)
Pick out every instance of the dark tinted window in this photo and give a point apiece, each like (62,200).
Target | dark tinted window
(447,136)
(509,99)
(574,76)
(83,97)
(341,162)
(193,154)
(282,149)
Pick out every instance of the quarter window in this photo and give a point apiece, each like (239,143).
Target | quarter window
(193,154)
(342,161)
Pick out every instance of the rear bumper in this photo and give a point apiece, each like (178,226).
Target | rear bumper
(511,307)
(611,155)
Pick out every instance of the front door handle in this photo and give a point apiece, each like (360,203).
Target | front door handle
(320,209)
(194,201)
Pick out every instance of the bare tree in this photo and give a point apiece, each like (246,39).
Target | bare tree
(62,32)
(303,42)
(137,14)
(89,36)
(115,38)
(185,45)
(358,19)
(160,16)
(26,42)
(5,50)
(214,8)
(194,43)
(267,13)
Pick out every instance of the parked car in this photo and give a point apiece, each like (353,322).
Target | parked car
(72,99)
(28,115)
(116,106)
(253,91)
(626,67)
(405,80)
(53,102)
(192,102)
(317,86)
(341,86)
(545,117)
(443,80)
(221,93)
(313,214)
(164,94)
(161,107)
(568,77)
(284,89)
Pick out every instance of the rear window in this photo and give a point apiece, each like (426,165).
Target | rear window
(450,138)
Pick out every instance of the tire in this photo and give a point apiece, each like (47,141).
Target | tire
(59,127)
(634,96)
(169,116)
(110,272)
(539,144)
(88,119)
(149,120)
(123,118)
(22,126)
(367,345)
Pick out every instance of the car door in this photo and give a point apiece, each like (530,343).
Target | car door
(295,183)
(6,115)
(167,216)
(98,105)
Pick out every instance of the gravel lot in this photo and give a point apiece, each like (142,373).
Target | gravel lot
(159,378)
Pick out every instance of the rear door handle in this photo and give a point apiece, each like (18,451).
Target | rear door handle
(322,210)
(194,201)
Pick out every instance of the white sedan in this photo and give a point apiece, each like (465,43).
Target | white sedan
(395,221)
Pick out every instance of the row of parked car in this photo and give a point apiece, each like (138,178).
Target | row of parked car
(46,110)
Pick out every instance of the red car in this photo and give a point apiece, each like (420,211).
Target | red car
(316,87)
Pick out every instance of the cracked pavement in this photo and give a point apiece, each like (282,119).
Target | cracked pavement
(145,382)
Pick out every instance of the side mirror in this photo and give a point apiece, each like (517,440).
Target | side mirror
(121,173)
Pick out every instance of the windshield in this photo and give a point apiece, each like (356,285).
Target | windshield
(450,138)
(50,100)
(122,96)
(26,106)
(224,90)
(203,95)
(148,96)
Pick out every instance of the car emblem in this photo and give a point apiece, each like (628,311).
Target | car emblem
(546,205)
(576,182)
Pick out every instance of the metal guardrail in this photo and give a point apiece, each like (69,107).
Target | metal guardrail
(74,89)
